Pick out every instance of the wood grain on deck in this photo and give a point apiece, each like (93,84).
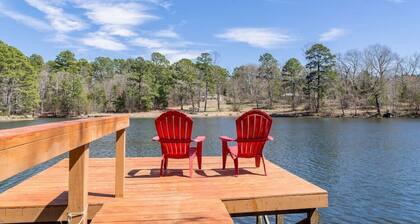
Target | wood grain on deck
(209,197)
(165,210)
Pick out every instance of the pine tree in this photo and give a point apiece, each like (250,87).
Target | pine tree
(320,64)
(18,81)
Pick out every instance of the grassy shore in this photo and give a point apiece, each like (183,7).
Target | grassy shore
(156,113)
(226,110)
(273,113)
(229,113)
(16,118)
(329,111)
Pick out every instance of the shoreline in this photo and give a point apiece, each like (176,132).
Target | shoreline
(17,118)
(213,114)
(272,113)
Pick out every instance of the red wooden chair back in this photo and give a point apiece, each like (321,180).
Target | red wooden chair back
(252,129)
(174,130)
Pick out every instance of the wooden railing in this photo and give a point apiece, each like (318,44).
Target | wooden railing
(23,148)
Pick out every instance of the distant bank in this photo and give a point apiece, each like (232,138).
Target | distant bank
(209,114)
(17,118)
(275,113)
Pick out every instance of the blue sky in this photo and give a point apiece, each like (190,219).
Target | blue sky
(236,31)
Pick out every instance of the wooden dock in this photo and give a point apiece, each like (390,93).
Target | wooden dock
(213,195)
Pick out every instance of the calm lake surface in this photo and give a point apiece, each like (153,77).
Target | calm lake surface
(371,168)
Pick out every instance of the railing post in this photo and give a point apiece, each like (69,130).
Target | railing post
(120,163)
(78,183)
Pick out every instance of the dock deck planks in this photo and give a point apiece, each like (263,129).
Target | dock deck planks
(170,210)
(209,197)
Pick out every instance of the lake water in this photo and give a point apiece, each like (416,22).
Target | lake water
(371,168)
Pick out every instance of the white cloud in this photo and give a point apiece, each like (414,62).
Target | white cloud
(27,20)
(257,37)
(162,43)
(59,20)
(166,33)
(101,41)
(61,38)
(178,55)
(116,18)
(113,25)
(174,55)
(118,31)
(173,50)
(333,34)
(120,13)
(148,43)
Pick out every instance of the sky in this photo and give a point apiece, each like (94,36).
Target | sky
(235,32)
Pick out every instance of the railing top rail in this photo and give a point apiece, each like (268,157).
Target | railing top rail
(17,136)
(23,148)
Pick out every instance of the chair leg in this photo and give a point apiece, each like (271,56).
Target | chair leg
(224,160)
(191,166)
(257,161)
(199,161)
(199,154)
(162,163)
(235,161)
(265,171)
(166,163)
(224,154)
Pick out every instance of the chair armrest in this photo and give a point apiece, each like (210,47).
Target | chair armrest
(156,138)
(226,139)
(270,138)
(199,139)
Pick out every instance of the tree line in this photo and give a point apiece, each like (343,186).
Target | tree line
(371,79)
(374,78)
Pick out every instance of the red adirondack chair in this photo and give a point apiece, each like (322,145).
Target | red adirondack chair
(252,129)
(174,131)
